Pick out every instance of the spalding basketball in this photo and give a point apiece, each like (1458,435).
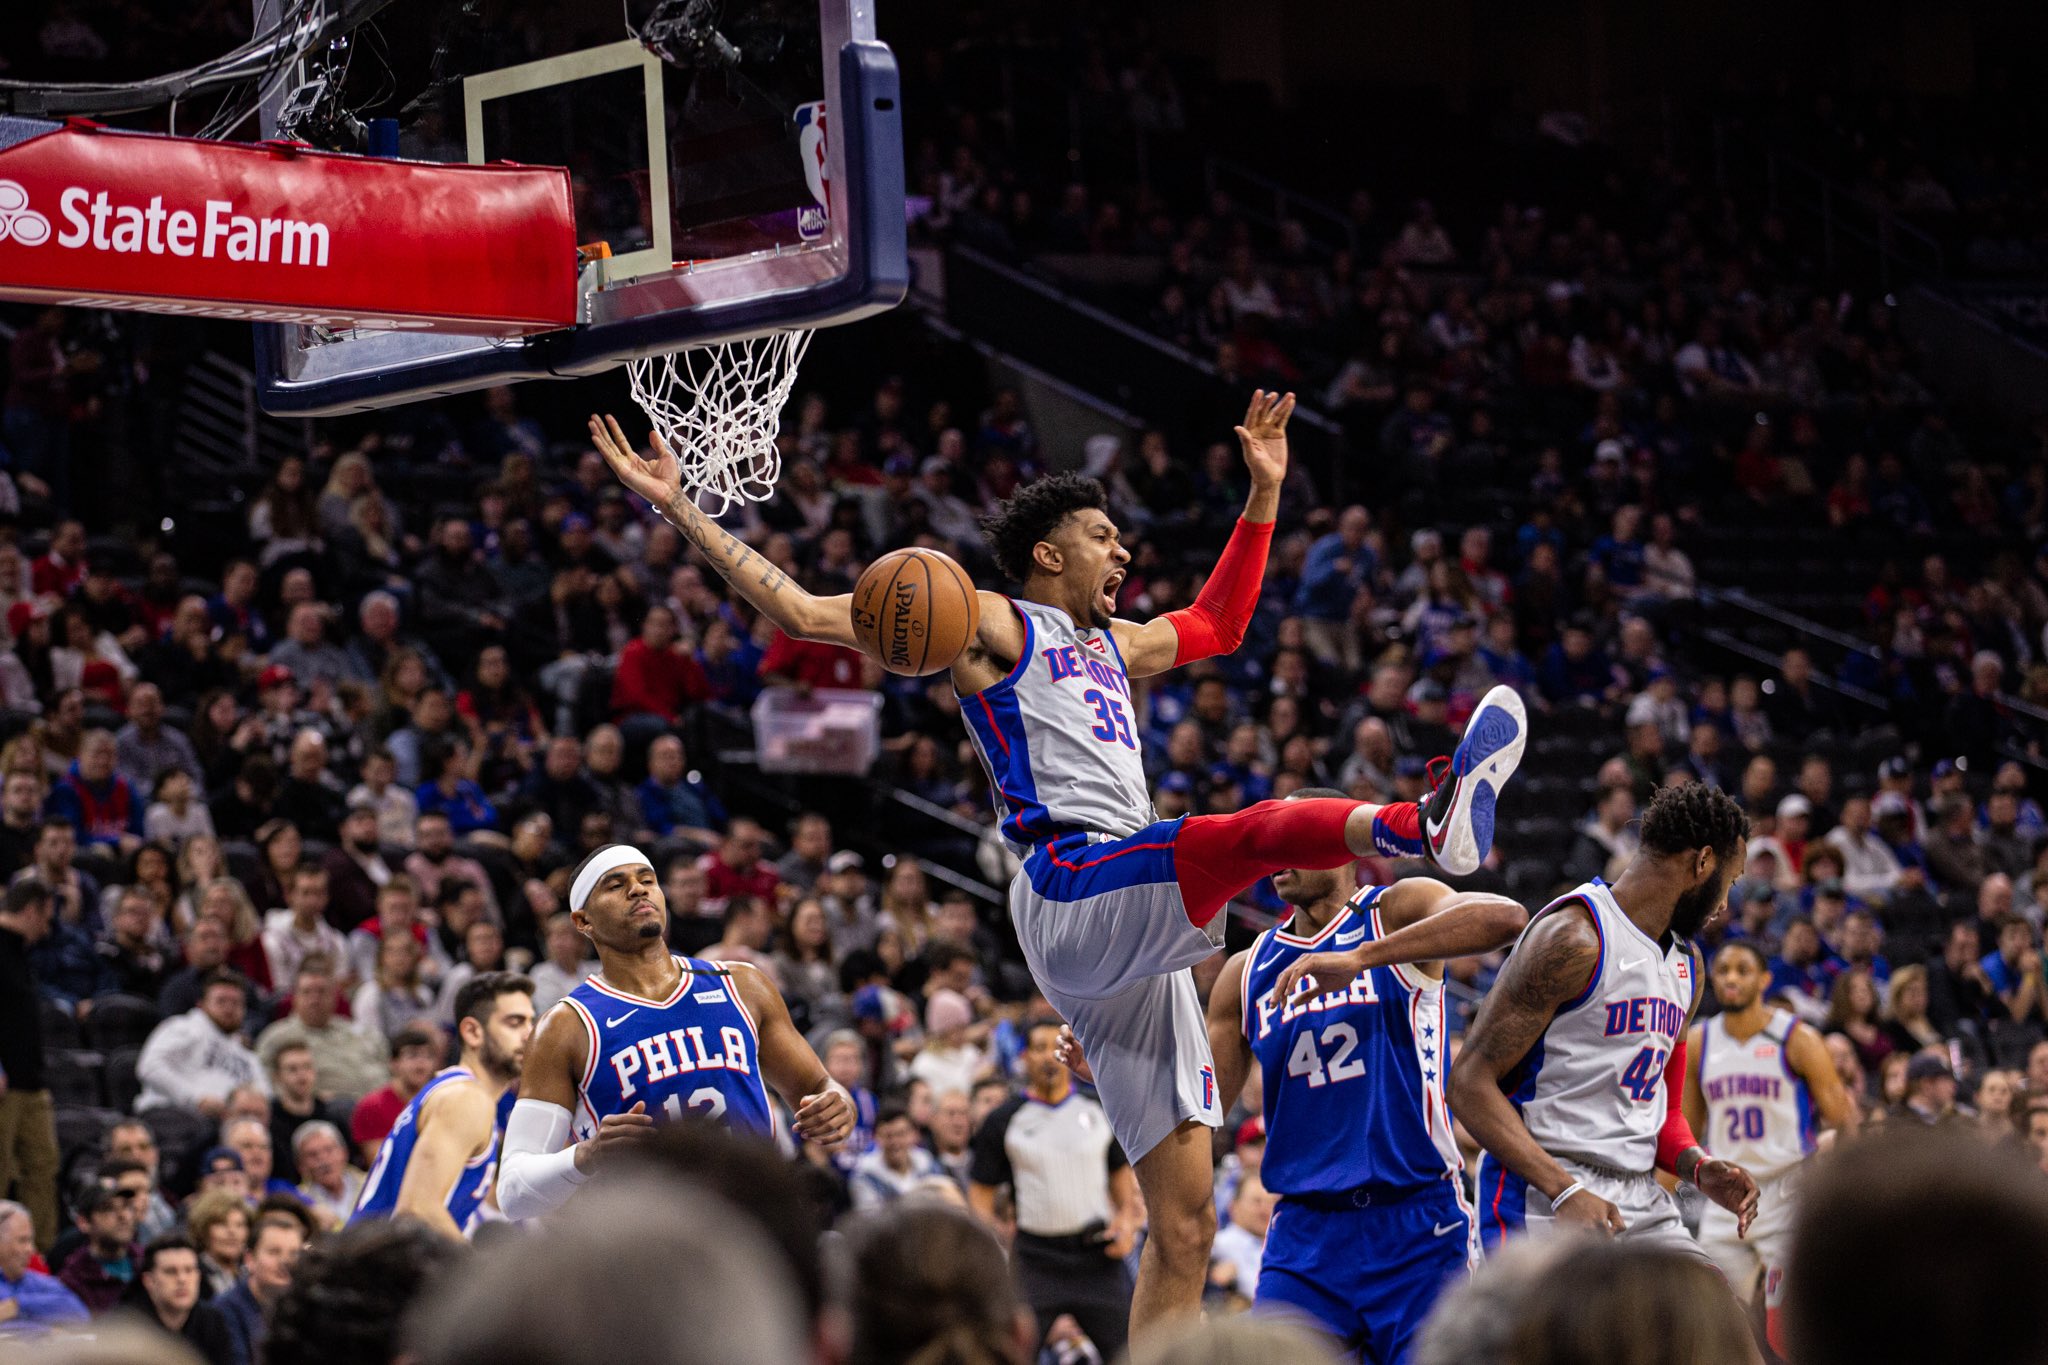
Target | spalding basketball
(914,611)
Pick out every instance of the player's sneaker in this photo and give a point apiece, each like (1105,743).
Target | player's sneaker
(1457,819)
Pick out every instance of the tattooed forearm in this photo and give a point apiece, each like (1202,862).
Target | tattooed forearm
(754,575)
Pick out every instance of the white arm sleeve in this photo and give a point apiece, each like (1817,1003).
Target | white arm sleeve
(538,1172)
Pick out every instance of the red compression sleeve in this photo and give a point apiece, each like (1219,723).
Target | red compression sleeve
(1675,1137)
(1215,623)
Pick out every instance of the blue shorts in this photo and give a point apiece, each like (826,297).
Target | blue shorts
(1368,1277)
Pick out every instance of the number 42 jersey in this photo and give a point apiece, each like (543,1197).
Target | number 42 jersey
(1354,1077)
(695,1052)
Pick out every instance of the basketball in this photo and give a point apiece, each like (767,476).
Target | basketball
(914,611)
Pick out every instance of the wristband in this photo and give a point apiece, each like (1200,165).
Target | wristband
(1566,1193)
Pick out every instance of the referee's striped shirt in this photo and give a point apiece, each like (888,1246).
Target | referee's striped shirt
(1056,1157)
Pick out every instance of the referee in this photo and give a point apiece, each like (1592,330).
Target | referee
(1076,1196)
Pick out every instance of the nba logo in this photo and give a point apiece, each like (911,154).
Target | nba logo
(815,217)
(1208,1087)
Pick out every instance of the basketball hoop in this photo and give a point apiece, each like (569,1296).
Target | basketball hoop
(719,408)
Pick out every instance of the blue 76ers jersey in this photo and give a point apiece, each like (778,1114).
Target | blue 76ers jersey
(695,1052)
(1354,1078)
(379,1195)
(1059,735)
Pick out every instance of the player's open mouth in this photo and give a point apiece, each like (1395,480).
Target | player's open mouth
(1109,587)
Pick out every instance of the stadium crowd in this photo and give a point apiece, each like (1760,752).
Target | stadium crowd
(260,824)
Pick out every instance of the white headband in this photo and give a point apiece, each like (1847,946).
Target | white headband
(601,862)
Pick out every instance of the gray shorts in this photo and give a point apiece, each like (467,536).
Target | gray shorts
(1108,940)
(1647,1207)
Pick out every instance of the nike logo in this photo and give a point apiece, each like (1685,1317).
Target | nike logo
(1271,960)
(1443,1228)
(614,1023)
(1352,937)
(1627,963)
(1437,832)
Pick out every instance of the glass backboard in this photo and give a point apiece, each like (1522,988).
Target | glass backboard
(740,172)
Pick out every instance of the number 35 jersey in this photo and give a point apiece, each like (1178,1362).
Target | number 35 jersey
(1059,735)
(1592,1087)
(697,1052)
(1353,1077)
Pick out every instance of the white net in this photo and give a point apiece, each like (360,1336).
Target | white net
(719,408)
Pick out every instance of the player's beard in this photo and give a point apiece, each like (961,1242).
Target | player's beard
(1695,907)
(498,1062)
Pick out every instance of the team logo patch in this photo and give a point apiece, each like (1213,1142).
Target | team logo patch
(1208,1087)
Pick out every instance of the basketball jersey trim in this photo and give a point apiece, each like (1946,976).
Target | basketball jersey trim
(1802,1094)
(1244,985)
(732,990)
(597,983)
(1403,971)
(590,1061)
(1310,941)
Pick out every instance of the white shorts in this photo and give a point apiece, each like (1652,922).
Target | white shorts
(1506,1206)
(1770,1237)
(1108,940)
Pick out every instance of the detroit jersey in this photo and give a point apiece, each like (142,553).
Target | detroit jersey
(1059,735)
(379,1196)
(1354,1090)
(1592,1087)
(1759,1112)
(695,1052)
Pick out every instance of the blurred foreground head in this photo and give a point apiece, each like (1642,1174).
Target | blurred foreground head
(1918,1245)
(1586,1301)
(642,1269)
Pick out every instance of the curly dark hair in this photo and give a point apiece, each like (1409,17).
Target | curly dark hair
(350,1290)
(1033,513)
(1694,815)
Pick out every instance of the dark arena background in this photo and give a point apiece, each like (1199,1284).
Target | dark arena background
(1681,369)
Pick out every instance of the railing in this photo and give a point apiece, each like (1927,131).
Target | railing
(1269,203)
(223,432)
(1096,351)
(1900,251)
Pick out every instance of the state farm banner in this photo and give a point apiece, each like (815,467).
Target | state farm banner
(99,218)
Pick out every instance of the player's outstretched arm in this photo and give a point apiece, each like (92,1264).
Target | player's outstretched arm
(1215,623)
(824,1111)
(455,1124)
(1427,923)
(1553,963)
(772,592)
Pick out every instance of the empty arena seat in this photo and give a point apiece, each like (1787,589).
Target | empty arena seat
(60,1026)
(121,1021)
(74,1075)
(122,1085)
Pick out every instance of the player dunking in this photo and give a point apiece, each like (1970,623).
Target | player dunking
(652,1035)
(1111,906)
(1570,1075)
(1373,1220)
(437,1164)
(1759,1084)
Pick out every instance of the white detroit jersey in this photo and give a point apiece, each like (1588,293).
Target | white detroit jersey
(1059,735)
(1759,1112)
(1592,1088)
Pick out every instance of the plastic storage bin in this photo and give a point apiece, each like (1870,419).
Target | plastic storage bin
(829,730)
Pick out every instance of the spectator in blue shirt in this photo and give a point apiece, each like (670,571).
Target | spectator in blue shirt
(1575,671)
(1620,552)
(2014,969)
(1804,971)
(274,1246)
(31,1302)
(1337,566)
(453,792)
(671,801)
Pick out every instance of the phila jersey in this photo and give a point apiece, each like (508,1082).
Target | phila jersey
(1592,1087)
(1354,1078)
(379,1196)
(1059,735)
(695,1052)
(1759,1112)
